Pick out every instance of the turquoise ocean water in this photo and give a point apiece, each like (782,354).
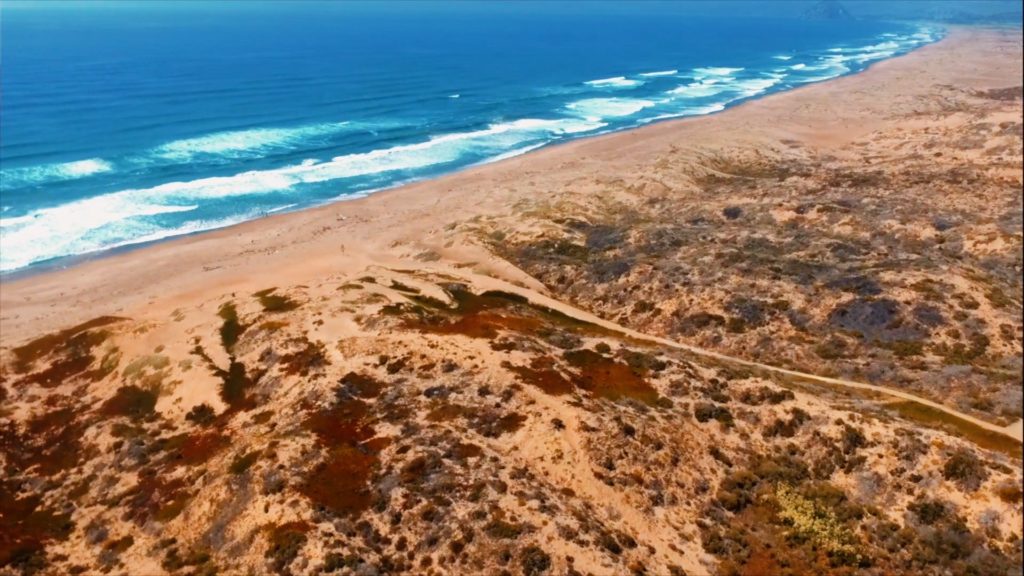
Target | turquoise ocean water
(127,126)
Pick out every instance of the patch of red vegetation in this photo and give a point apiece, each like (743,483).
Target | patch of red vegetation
(464,450)
(341,483)
(487,422)
(606,378)
(542,374)
(310,357)
(155,496)
(345,423)
(480,325)
(195,449)
(50,442)
(26,528)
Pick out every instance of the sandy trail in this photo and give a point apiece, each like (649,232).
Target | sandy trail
(1015,430)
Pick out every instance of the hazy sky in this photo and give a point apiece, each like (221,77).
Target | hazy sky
(746,7)
(140,12)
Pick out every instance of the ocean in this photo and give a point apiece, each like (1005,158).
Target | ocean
(124,126)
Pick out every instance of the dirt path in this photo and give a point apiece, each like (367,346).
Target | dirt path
(1014,431)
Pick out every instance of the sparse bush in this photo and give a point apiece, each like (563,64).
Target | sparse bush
(705,411)
(853,439)
(1009,492)
(928,511)
(732,212)
(965,469)
(285,543)
(201,415)
(502,530)
(534,561)
(243,462)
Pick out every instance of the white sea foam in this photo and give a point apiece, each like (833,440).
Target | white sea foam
(820,78)
(29,175)
(859,57)
(616,82)
(782,57)
(513,153)
(699,89)
(151,233)
(688,111)
(715,71)
(659,73)
(70,228)
(871,48)
(279,208)
(120,217)
(800,66)
(754,86)
(243,143)
(892,44)
(596,109)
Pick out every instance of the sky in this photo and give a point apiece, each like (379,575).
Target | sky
(63,11)
(746,7)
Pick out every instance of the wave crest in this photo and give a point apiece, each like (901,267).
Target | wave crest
(31,175)
(616,82)
(242,143)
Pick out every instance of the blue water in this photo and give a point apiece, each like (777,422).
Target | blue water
(123,126)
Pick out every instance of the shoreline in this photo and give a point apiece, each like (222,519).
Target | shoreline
(68,262)
(203,259)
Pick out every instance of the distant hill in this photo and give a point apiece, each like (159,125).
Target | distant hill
(828,10)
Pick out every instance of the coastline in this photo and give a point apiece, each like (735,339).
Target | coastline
(223,256)
(934,31)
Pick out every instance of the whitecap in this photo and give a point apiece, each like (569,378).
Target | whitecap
(715,71)
(595,109)
(245,143)
(279,208)
(754,86)
(616,82)
(700,89)
(30,175)
(782,57)
(659,73)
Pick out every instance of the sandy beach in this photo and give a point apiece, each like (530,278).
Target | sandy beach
(794,231)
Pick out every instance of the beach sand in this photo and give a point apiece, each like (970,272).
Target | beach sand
(358,369)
